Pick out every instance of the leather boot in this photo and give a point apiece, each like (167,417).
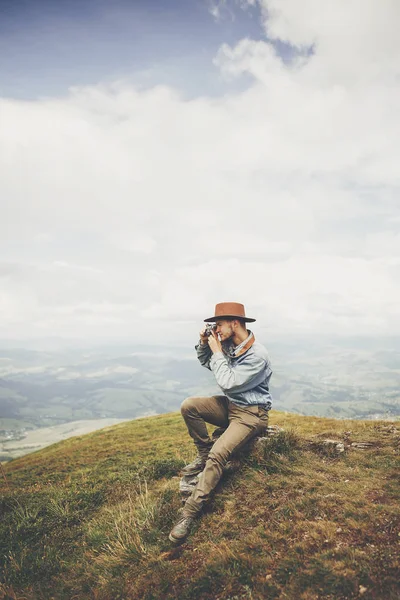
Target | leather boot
(181,529)
(196,466)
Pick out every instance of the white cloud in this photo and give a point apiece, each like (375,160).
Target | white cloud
(137,243)
(65,265)
(220,9)
(131,213)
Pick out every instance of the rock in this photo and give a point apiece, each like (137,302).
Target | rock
(273,430)
(187,484)
(335,446)
(362,445)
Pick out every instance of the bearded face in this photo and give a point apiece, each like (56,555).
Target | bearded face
(224,330)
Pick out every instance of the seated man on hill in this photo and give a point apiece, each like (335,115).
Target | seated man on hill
(242,369)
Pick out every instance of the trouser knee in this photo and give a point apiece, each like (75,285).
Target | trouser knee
(218,458)
(188,405)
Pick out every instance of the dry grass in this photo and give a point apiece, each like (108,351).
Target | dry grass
(89,517)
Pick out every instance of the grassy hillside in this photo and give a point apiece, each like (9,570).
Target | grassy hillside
(89,517)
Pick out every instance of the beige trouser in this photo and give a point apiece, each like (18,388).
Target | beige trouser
(239,425)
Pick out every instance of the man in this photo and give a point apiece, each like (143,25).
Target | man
(242,369)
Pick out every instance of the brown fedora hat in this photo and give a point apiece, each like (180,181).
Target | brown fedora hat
(229,309)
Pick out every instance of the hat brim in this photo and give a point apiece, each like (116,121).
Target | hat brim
(222,317)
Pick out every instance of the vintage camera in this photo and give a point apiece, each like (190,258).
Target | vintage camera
(210,327)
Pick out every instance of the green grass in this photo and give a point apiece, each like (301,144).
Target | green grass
(89,517)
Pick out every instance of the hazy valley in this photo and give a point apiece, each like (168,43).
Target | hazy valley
(45,389)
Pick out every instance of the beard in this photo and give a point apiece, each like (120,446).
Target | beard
(228,335)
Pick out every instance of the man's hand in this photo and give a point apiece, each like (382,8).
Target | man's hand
(214,343)
(203,337)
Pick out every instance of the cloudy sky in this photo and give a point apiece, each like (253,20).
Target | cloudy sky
(160,156)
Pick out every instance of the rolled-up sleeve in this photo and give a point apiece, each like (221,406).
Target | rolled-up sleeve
(243,377)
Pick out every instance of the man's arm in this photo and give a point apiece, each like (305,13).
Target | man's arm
(204,354)
(245,376)
(203,350)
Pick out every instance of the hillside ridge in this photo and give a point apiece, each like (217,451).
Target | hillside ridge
(89,517)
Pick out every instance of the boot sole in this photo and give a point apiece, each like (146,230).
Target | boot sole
(176,541)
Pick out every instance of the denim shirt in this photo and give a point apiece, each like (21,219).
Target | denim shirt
(243,379)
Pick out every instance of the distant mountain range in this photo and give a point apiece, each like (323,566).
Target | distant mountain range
(353,379)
